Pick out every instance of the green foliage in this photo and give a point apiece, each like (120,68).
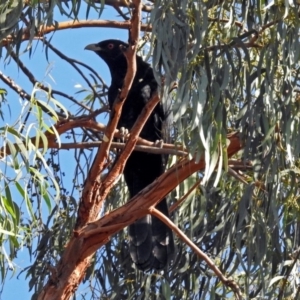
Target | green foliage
(237,68)
(25,174)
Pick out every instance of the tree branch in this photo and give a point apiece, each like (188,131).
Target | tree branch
(43,30)
(89,238)
(71,268)
(88,122)
(228,282)
(92,198)
(139,205)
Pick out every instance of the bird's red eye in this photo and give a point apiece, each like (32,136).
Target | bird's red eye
(110,46)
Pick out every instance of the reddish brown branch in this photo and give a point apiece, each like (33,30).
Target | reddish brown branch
(89,238)
(43,30)
(96,233)
(151,195)
(95,192)
(139,124)
(73,265)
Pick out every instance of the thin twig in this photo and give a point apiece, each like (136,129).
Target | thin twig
(71,62)
(34,81)
(180,201)
(118,9)
(23,94)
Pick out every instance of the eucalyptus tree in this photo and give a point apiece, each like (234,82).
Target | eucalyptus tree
(228,71)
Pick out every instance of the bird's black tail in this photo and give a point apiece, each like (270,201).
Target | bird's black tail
(151,241)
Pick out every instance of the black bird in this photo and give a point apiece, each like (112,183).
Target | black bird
(151,241)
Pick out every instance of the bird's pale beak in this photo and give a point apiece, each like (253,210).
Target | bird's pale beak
(92,47)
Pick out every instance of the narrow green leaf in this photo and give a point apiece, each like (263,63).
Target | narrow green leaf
(8,202)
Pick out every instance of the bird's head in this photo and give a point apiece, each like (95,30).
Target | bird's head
(111,51)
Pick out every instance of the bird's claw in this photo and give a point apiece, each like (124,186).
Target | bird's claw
(123,132)
(159,143)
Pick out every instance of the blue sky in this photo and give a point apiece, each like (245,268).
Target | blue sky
(61,76)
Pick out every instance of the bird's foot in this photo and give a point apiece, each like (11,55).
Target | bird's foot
(123,132)
(159,143)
